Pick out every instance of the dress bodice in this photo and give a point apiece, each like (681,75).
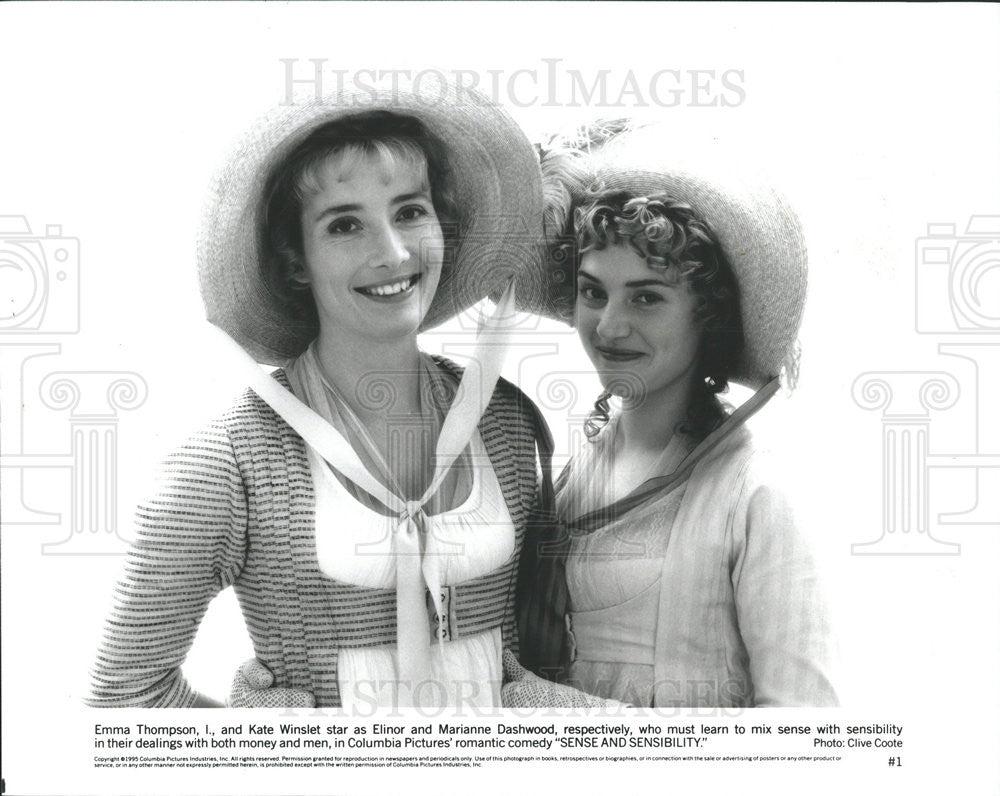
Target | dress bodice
(354,545)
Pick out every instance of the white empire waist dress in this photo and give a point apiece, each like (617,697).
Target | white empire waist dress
(354,545)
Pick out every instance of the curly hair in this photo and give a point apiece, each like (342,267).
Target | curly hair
(391,138)
(670,236)
(566,176)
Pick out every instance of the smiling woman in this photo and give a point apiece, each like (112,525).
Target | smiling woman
(657,310)
(371,237)
(357,214)
(335,498)
(684,580)
(357,239)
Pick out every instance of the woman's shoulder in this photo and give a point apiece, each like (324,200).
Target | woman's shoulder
(734,452)
(743,466)
(249,430)
(760,479)
(765,467)
(245,443)
(250,408)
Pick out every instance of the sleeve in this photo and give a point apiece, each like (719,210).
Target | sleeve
(783,615)
(541,588)
(523,689)
(190,544)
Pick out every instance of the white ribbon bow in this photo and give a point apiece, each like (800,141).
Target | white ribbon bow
(417,554)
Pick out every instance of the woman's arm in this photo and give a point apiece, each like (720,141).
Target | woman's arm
(190,544)
(541,587)
(522,689)
(782,611)
(253,687)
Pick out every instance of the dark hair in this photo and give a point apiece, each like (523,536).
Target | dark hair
(669,235)
(391,137)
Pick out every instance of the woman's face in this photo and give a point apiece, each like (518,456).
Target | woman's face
(636,326)
(373,247)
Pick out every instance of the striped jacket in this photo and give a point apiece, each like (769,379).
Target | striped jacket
(237,509)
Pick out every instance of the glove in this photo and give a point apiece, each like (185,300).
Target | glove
(252,688)
(523,689)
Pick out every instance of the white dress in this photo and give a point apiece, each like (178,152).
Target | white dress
(354,544)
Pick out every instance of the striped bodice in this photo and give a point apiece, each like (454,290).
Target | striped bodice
(236,508)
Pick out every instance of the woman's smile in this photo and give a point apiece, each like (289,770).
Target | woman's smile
(392,291)
(616,354)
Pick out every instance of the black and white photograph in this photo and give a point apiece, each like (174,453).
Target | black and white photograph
(496,396)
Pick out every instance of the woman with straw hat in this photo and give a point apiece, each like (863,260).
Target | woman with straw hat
(367,502)
(681,579)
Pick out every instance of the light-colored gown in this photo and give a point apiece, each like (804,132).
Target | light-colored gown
(708,596)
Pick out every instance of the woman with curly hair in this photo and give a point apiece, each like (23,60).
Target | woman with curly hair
(681,579)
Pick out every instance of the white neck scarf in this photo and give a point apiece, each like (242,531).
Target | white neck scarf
(416,552)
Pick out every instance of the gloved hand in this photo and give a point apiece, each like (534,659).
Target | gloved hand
(523,689)
(252,688)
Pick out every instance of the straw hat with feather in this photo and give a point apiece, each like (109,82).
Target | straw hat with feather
(756,228)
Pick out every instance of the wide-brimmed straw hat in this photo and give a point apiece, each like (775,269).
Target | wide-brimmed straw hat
(495,184)
(758,231)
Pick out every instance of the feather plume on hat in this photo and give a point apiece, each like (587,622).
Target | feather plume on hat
(755,226)
(565,173)
(567,178)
